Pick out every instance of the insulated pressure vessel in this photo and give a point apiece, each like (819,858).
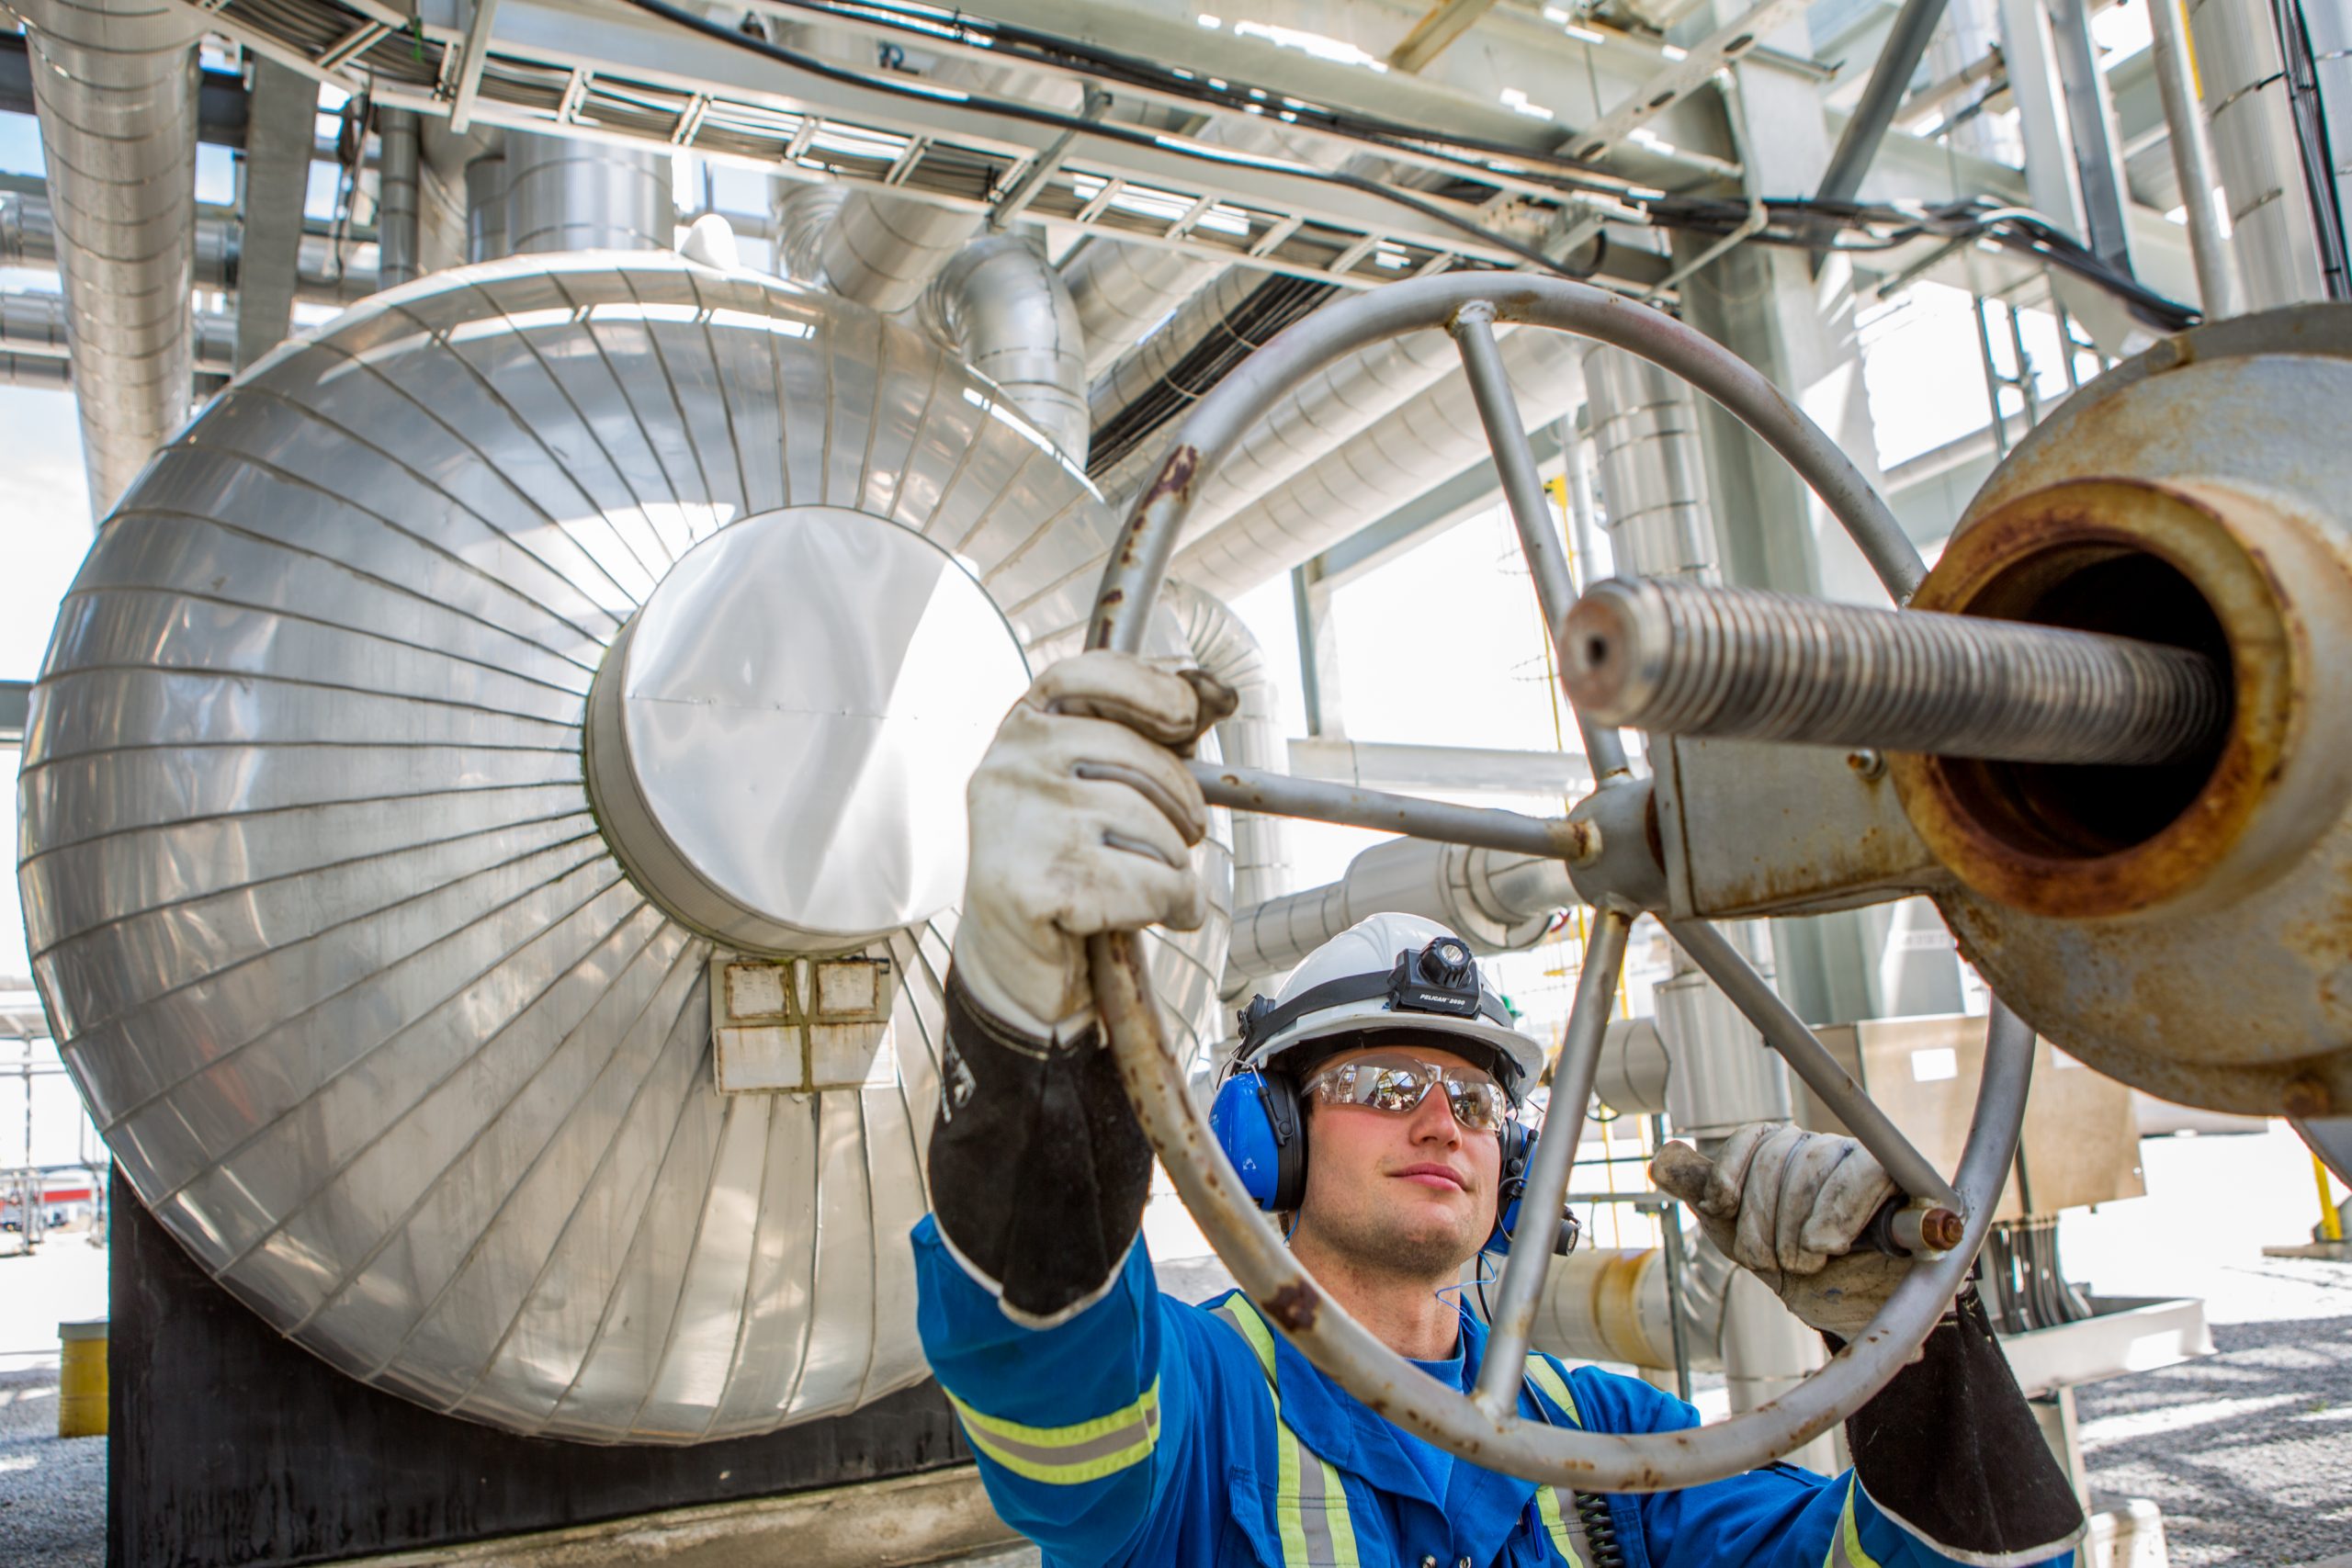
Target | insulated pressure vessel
(394,998)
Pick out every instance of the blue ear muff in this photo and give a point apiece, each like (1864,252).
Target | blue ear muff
(1256,1120)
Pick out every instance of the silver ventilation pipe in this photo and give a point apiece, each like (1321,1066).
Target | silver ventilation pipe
(1652,469)
(1001,306)
(563,194)
(29,240)
(114,84)
(1337,402)
(882,249)
(1252,738)
(1496,900)
(486,207)
(802,214)
(1396,457)
(35,325)
(2244,91)
(399,167)
(1123,289)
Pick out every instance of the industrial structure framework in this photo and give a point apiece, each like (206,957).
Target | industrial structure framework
(490,813)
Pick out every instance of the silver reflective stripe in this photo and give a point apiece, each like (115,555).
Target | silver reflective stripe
(1310,1500)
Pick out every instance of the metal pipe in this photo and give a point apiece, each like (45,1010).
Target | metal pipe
(563,194)
(1403,765)
(1539,539)
(1688,660)
(36,326)
(2218,289)
(1651,467)
(397,239)
(29,240)
(1498,900)
(486,207)
(1247,789)
(1001,306)
(1547,1175)
(115,87)
(1123,290)
(1898,58)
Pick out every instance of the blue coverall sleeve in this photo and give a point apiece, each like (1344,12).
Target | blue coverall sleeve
(1077,1428)
(1779,1517)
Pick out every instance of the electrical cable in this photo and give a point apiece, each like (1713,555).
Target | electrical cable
(1033,45)
(1008,109)
(2013,228)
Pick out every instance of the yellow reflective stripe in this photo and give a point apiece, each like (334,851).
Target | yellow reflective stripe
(1068,1455)
(1546,1377)
(1310,1498)
(1244,1316)
(1848,1537)
(1555,1524)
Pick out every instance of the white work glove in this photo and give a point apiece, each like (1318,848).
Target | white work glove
(1788,1205)
(1083,820)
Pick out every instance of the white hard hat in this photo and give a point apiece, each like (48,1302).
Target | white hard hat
(1392,971)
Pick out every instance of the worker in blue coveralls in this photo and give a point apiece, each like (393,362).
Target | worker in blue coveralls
(1116,1425)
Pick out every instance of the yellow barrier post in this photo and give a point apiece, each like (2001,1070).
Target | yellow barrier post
(82,1380)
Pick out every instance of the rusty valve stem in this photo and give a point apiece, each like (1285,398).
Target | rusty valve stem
(1683,658)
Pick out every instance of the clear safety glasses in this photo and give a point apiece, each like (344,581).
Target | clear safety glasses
(1397,1081)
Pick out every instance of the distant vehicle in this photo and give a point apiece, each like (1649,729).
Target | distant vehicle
(69,1200)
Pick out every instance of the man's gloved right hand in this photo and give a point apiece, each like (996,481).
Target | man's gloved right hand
(1083,819)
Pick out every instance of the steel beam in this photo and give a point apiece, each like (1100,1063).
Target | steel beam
(1435,32)
(1898,58)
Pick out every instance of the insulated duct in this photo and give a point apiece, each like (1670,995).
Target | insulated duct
(1123,290)
(802,214)
(1006,311)
(1252,738)
(114,84)
(2245,91)
(36,324)
(407,729)
(563,194)
(29,239)
(1496,900)
(1395,458)
(1652,469)
(399,237)
(486,207)
(882,249)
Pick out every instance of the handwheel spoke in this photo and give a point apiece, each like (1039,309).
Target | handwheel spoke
(1784,1031)
(1547,1177)
(1547,557)
(1321,800)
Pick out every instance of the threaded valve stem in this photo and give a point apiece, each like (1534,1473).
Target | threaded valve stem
(1683,658)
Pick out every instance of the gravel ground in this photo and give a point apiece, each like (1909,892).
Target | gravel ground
(52,1489)
(2249,1452)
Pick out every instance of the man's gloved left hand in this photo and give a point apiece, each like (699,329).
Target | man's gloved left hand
(1788,1205)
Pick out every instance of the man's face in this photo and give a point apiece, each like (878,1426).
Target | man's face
(1411,1194)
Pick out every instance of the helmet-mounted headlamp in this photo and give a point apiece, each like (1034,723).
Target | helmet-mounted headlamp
(1440,979)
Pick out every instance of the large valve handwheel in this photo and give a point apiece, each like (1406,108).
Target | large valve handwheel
(1612,869)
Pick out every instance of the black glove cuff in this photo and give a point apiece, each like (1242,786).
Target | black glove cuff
(1038,1170)
(1950,1450)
